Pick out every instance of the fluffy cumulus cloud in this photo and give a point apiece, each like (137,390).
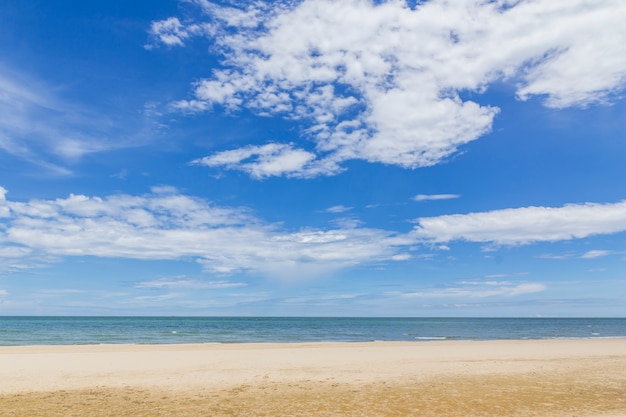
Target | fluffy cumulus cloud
(384,82)
(526,225)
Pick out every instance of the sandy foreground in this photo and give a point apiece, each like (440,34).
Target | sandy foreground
(496,378)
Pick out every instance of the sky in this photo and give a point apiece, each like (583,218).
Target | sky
(313,158)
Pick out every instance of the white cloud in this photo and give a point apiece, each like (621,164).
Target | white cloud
(172,32)
(381,82)
(14,252)
(429,197)
(592,254)
(3,293)
(555,256)
(169,31)
(264,161)
(588,33)
(121,174)
(526,225)
(149,299)
(167,225)
(189,283)
(338,209)
(174,226)
(346,223)
(495,276)
(52,293)
(164,189)
(470,290)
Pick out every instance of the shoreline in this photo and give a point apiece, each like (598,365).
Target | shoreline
(557,377)
(417,340)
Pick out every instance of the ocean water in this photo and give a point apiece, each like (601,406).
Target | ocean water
(17,331)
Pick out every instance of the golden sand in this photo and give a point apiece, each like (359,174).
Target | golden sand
(522,378)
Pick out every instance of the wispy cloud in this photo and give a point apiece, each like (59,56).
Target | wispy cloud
(381,82)
(39,126)
(121,174)
(556,256)
(592,254)
(338,209)
(188,283)
(56,293)
(148,299)
(478,290)
(429,197)
(496,276)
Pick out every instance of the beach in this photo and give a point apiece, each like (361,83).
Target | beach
(584,377)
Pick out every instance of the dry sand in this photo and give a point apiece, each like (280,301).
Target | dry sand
(501,378)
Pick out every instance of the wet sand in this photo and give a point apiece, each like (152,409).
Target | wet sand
(496,378)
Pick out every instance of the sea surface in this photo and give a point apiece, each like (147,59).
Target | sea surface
(19,331)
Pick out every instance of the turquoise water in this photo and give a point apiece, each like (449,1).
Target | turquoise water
(16,331)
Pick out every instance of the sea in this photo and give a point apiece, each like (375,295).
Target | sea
(21,331)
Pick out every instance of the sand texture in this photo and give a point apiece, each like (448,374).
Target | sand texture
(573,378)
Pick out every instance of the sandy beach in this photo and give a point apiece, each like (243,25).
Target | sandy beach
(452,378)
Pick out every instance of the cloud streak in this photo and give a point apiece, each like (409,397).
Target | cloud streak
(384,83)
(526,225)
(187,283)
(338,209)
(167,225)
(39,126)
(484,290)
(431,197)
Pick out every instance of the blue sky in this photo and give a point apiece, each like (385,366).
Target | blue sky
(318,158)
